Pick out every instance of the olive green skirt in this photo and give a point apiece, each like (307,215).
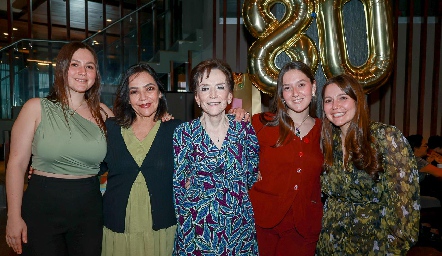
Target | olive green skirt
(139,239)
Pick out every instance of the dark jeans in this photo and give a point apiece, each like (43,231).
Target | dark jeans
(63,216)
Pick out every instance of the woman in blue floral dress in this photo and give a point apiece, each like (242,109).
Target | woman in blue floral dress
(370,178)
(216,162)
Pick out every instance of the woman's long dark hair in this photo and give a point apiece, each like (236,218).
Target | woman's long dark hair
(124,113)
(279,108)
(60,91)
(358,140)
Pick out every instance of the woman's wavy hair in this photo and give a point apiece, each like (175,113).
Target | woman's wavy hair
(124,113)
(197,73)
(60,90)
(280,109)
(358,141)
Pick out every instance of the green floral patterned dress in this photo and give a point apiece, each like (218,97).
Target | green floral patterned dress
(363,217)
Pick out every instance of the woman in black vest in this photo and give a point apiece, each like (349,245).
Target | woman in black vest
(139,216)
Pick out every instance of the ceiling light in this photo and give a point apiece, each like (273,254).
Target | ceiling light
(14,28)
(108,20)
(5,34)
(40,62)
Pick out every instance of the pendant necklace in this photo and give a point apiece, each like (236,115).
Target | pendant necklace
(297,131)
(75,110)
(205,126)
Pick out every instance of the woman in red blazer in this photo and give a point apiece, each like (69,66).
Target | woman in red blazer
(287,199)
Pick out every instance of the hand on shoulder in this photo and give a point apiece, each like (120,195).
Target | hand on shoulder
(106,112)
(166,117)
(240,114)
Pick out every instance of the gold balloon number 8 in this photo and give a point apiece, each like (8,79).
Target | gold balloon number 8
(274,37)
(287,35)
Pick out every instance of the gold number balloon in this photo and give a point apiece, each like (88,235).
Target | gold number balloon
(333,49)
(274,37)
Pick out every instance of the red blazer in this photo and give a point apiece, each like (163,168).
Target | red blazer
(290,178)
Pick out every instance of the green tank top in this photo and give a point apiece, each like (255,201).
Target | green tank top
(67,145)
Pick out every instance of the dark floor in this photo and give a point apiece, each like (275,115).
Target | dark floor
(418,250)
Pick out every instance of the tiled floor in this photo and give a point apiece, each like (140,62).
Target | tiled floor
(6,251)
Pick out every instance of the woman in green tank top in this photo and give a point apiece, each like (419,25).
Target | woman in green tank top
(60,212)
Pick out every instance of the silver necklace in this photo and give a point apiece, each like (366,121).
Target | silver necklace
(297,131)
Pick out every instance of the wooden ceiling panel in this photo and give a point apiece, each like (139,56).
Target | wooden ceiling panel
(77,7)
(58,12)
(58,18)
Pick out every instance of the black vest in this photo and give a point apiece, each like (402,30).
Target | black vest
(157,169)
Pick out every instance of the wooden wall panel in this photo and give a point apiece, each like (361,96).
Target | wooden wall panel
(238,36)
(422,69)
(408,63)
(436,98)
(392,107)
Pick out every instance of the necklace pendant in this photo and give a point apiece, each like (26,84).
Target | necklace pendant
(297,132)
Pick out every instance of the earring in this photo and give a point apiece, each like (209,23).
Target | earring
(283,101)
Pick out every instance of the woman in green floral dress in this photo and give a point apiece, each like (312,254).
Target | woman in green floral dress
(370,178)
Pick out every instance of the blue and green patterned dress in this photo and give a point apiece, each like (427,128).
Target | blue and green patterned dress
(363,217)
(214,213)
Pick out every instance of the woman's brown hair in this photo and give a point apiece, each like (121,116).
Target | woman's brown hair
(358,140)
(60,90)
(279,108)
(197,73)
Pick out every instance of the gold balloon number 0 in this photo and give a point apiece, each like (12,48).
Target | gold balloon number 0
(288,35)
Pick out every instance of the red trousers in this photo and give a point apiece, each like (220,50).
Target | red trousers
(284,239)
